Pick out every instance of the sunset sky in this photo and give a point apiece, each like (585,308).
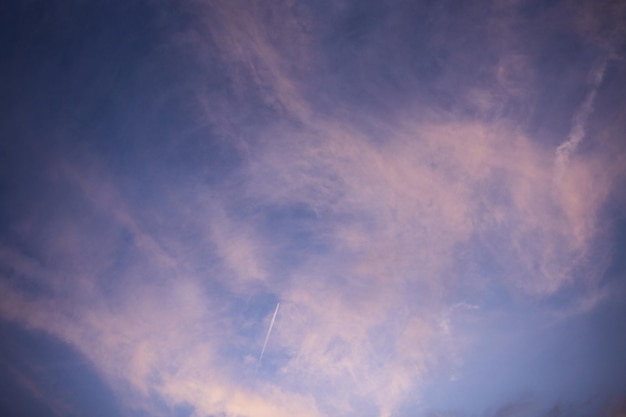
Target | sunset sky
(297,208)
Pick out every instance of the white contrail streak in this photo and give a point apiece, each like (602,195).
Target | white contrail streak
(269,331)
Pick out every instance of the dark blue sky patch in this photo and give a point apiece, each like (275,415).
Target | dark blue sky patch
(44,376)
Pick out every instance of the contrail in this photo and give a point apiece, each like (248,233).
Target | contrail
(269,331)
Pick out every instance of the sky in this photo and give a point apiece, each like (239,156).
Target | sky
(332,208)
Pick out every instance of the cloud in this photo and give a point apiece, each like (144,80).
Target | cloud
(384,234)
(361,241)
(251,38)
(565,149)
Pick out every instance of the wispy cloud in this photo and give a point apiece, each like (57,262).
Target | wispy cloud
(577,133)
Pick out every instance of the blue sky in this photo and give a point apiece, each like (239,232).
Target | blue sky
(432,192)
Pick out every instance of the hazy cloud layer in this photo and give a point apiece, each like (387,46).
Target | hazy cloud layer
(432,192)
